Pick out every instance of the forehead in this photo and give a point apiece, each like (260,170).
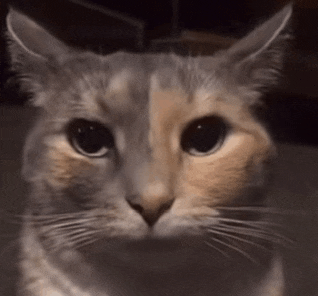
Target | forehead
(132,85)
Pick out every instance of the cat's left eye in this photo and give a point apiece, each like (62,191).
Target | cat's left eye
(90,138)
(203,136)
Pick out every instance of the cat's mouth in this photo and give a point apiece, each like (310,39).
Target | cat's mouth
(155,245)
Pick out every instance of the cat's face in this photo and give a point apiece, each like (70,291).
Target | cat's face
(130,139)
(146,146)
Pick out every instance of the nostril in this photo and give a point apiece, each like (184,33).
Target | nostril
(134,202)
(165,207)
(138,208)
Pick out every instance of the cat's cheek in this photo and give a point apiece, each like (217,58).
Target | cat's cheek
(117,226)
(212,184)
(227,175)
(64,169)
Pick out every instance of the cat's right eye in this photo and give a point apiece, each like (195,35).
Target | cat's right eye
(90,138)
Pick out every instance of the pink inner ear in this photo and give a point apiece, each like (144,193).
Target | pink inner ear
(34,39)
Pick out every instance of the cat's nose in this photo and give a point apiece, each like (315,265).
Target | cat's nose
(150,211)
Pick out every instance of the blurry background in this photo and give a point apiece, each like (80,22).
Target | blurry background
(186,27)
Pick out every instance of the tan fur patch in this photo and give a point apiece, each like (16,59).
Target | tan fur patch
(64,163)
(166,112)
(209,180)
(219,179)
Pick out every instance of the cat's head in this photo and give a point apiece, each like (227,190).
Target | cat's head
(139,145)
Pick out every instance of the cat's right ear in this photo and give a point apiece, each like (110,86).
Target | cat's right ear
(34,52)
(32,39)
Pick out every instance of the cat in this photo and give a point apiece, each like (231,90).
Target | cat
(148,172)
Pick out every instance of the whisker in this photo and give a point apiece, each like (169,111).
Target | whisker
(269,210)
(67,240)
(73,237)
(257,233)
(259,227)
(85,243)
(67,225)
(70,219)
(70,234)
(244,254)
(52,218)
(48,216)
(216,248)
(55,218)
(254,224)
(237,238)
(242,230)
(82,239)
(255,229)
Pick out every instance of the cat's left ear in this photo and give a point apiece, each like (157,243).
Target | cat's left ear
(256,60)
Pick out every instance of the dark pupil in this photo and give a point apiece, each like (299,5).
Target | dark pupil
(203,135)
(90,136)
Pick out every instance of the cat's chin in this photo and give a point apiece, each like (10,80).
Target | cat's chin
(149,244)
(152,251)
(148,255)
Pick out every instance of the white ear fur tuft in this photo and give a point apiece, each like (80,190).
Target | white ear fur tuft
(33,39)
(255,62)
(13,35)
(284,16)
(261,38)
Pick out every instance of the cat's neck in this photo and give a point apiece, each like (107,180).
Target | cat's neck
(189,273)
